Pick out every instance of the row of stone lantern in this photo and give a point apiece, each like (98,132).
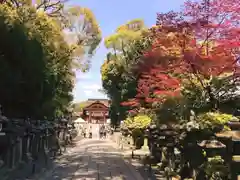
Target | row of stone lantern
(26,141)
(163,141)
(231,139)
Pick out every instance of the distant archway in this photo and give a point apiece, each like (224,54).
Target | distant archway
(96,112)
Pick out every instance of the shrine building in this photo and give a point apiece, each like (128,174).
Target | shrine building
(95,111)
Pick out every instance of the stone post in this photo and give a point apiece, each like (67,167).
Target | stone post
(8,152)
(35,144)
(12,153)
(30,143)
(18,150)
(46,140)
(25,148)
(235,168)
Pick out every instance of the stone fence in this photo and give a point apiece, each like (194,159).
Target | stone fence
(30,144)
(121,141)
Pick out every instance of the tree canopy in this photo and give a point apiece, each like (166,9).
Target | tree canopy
(187,61)
(37,60)
(118,82)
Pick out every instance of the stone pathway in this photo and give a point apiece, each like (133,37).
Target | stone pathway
(137,163)
(92,159)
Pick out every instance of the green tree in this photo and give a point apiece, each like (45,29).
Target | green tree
(36,75)
(79,106)
(83,32)
(79,24)
(119,81)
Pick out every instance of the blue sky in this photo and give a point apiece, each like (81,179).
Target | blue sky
(110,14)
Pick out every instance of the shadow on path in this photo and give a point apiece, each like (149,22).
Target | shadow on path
(92,159)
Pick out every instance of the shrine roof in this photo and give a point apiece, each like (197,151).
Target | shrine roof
(105,102)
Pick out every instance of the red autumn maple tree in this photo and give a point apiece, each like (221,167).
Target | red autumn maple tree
(155,81)
(205,46)
(216,42)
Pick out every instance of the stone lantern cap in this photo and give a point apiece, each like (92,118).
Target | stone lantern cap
(235,124)
(63,120)
(152,126)
(229,134)
(211,144)
(163,127)
(167,130)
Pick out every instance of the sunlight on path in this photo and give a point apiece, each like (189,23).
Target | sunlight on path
(92,159)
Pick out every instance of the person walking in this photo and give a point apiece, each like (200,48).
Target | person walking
(90,132)
(84,132)
(101,131)
(104,132)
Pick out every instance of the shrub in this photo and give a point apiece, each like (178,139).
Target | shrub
(139,121)
(215,168)
(214,121)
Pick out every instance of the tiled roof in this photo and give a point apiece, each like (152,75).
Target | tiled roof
(103,101)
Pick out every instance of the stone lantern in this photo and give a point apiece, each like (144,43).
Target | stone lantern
(231,139)
(3,137)
(63,129)
(63,122)
(3,121)
(213,147)
(234,125)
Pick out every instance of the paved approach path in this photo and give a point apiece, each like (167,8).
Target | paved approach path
(92,159)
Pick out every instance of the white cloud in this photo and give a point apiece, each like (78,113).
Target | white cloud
(93,87)
(83,76)
(88,92)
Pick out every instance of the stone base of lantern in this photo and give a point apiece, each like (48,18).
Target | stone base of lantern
(235,171)
(143,151)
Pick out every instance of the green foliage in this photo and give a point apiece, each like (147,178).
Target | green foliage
(172,110)
(118,78)
(197,99)
(193,98)
(139,121)
(79,106)
(213,120)
(215,168)
(121,40)
(45,42)
(36,75)
(79,24)
(83,32)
